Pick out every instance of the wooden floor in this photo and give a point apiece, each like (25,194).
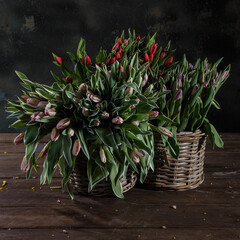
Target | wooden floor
(212,211)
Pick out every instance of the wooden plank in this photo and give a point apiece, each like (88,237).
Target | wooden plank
(22,195)
(120,213)
(121,233)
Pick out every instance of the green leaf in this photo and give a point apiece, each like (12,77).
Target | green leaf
(116,185)
(18,124)
(83,143)
(30,150)
(67,146)
(31,134)
(98,176)
(81,48)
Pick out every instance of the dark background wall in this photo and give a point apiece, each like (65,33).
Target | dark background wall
(31,29)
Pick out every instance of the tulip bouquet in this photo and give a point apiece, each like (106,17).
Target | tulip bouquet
(103,113)
(193,91)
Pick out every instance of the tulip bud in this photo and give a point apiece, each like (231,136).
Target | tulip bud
(168,62)
(82,87)
(59,60)
(121,68)
(162,54)
(63,123)
(99,64)
(108,61)
(116,45)
(165,131)
(139,152)
(164,87)
(95,98)
(118,56)
(190,66)
(137,100)
(145,80)
(18,139)
(70,132)
(113,60)
(153,48)
(224,75)
(125,40)
(180,80)
(104,115)
(132,106)
(117,120)
(86,60)
(96,123)
(24,166)
(135,123)
(24,97)
(69,79)
(44,152)
(146,57)
(55,134)
(129,90)
(102,155)
(150,57)
(89,93)
(50,112)
(42,104)
(76,147)
(33,101)
(195,88)
(153,114)
(178,94)
(85,112)
(134,157)
(149,89)
(36,116)
(138,38)
(119,41)
(77,100)
(205,84)
(214,83)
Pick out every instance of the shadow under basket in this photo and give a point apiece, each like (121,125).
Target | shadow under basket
(79,180)
(184,173)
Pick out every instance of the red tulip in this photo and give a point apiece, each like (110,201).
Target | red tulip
(113,60)
(59,60)
(18,139)
(86,60)
(63,123)
(119,41)
(146,57)
(162,54)
(76,147)
(99,64)
(153,48)
(168,62)
(108,61)
(138,38)
(150,57)
(69,79)
(118,55)
(116,45)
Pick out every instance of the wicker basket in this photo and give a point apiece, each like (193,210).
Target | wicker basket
(79,180)
(184,173)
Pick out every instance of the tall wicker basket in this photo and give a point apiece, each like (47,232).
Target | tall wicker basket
(184,173)
(79,180)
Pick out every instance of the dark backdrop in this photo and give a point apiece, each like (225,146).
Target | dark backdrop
(31,29)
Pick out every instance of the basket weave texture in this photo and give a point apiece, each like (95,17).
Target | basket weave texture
(79,180)
(184,173)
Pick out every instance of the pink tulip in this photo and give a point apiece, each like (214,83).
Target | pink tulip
(134,157)
(139,152)
(102,155)
(129,90)
(135,123)
(18,139)
(138,38)
(153,114)
(24,166)
(117,120)
(42,104)
(104,115)
(85,112)
(55,134)
(95,98)
(82,87)
(63,123)
(96,123)
(165,131)
(76,147)
(37,115)
(33,101)
(50,112)
(70,132)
